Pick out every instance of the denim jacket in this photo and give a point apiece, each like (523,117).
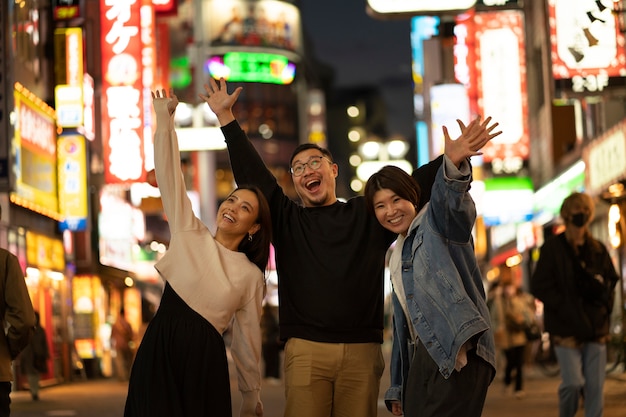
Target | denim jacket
(443,287)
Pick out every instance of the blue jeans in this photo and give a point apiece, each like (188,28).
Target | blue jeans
(582,373)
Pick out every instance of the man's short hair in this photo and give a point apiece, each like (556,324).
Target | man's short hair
(305,146)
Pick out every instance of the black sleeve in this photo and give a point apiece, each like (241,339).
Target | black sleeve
(248,166)
(425,177)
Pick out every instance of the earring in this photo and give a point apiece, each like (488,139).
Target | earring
(249,237)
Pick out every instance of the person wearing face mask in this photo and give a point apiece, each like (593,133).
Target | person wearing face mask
(575,279)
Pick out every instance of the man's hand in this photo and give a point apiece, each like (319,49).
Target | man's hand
(473,137)
(219,101)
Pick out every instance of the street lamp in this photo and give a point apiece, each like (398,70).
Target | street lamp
(373,155)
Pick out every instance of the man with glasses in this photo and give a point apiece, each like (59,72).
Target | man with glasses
(330,257)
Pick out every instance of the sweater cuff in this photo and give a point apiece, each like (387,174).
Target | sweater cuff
(249,403)
(231,127)
(452,172)
(164,120)
(393,394)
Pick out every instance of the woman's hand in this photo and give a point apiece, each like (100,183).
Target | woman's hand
(173,100)
(473,137)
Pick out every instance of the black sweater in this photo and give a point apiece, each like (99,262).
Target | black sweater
(330,260)
(555,283)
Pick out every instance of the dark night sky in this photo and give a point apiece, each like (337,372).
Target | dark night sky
(365,51)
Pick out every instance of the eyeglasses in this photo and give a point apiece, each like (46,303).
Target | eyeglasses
(314,162)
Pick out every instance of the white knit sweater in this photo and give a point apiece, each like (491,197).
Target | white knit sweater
(214,281)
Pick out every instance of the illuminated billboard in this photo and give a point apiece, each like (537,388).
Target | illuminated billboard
(72,157)
(252,67)
(35,150)
(68,93)
(253,24)
(122,92)
(501,87)
(417,7)
(507,200)
(587,46)
(448,102)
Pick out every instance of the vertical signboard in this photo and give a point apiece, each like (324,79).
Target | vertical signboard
(148,74)
(422,28)
(448,103)
(88,129)
(122,91)
(72,182)
(68,93)
(502,90)
(35,154)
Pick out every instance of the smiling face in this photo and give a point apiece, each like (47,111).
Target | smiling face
(238,214)
(316,187)
(393,212)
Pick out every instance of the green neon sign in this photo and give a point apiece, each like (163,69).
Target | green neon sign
(252,67)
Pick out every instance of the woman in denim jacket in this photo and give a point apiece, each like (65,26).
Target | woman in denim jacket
(443,355)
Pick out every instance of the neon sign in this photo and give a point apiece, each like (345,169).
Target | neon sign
(252,67)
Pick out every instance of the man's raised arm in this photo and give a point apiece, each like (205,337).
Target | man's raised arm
(246,163)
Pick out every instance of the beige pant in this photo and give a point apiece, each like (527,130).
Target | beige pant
(332,379)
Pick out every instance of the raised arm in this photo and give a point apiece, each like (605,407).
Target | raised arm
(472,139)
(248,166)
(176,203)
(452,208)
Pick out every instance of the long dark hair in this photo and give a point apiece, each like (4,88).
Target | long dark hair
(257,249)
(395,179)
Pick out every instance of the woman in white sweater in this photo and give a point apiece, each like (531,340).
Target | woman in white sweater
(181,368)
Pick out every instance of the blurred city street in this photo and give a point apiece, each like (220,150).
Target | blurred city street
(105,398)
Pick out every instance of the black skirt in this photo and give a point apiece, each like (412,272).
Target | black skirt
(181,367)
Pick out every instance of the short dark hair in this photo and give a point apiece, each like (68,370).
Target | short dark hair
(303,147)
(395,179)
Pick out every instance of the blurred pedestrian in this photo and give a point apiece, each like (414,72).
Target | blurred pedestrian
(34,358)
(443,352)
(271,344)
(123,344)
(18,318)
(329,250)
(517,317)
(181,367)
(575,279)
